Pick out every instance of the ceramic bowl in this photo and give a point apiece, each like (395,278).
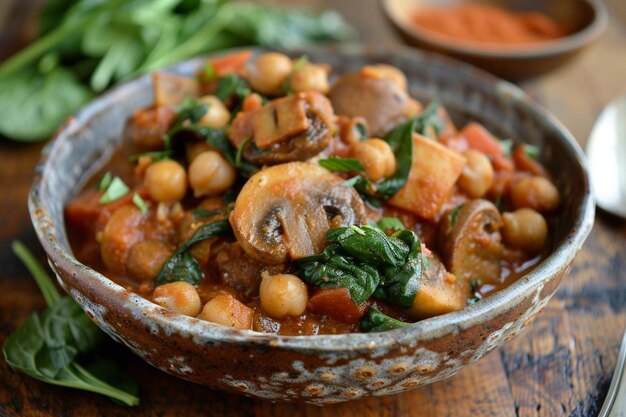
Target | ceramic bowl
(324,368)
(589,17)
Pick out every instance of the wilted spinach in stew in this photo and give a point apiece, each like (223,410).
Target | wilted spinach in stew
(259,196)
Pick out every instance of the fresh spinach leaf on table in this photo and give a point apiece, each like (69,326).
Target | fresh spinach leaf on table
(96,44)
(53,346)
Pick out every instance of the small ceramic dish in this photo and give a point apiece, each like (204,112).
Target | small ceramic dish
(324,368)
(588,17)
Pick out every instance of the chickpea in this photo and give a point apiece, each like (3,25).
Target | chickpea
(477,175)
(166,181)
(146,258)
(269,71)
(180,297)
(525,229)
(388,72)
(537,193)
(217,115)
(211,174)
(283,295)
(226,310)
(310,77)
(376,157)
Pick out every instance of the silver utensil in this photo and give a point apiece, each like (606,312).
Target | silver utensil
(606,151)
(615,402)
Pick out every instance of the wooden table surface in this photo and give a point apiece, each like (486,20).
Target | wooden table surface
(560,366)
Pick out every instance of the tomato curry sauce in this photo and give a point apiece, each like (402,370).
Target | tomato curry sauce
(259,196)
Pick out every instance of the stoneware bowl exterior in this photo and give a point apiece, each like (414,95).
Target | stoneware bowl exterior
(589,17)
(325,368)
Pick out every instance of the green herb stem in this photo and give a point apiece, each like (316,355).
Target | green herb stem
(47,288)
(35,50)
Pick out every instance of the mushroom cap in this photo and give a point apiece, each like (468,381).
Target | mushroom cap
(291,128)
(379,100)
(283,212)
(470,241)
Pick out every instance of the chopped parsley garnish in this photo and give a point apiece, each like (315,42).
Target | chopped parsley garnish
(140,203)
(116,190)
(105,181)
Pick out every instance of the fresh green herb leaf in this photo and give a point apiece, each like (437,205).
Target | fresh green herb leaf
(208,72)
(375,321)
(401,283)
(116,190)
(155,155)
(94,44)
(366,261)
(429,119)
(475,285)
(499,203)
(390,223)
(240,149)
(400,139)
(507,147)
(229,197)
(362,130)
(454,214)
(191,110)
(47,346)
(105,181)
(200,212)
(33,105)
(230,86)
(47,288)
(181,266)
(532,151)
(286,86)
(337,164)
(332,269)
(351,182)
(140,203)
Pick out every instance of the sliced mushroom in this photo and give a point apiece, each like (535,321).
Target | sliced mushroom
(440,292)
(382,102)
(470,241)
(283,212)
(292,128)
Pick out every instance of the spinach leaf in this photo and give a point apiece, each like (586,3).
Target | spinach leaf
(368,262)
(401,283)
(332,269)
(232,86)
(375,321)
(337,164)
(400,139)
(200,212)
(429,119)
(98,43)
(369,244)
(181,266)
(33,105)
(48,347)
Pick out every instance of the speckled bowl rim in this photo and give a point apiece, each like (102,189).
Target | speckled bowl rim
(562,45)
(429,329)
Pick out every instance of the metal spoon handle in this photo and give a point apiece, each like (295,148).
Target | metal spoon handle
(615,402)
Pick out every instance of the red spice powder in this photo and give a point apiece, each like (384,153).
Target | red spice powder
(491,25)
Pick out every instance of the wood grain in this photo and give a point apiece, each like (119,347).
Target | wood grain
(560,366)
